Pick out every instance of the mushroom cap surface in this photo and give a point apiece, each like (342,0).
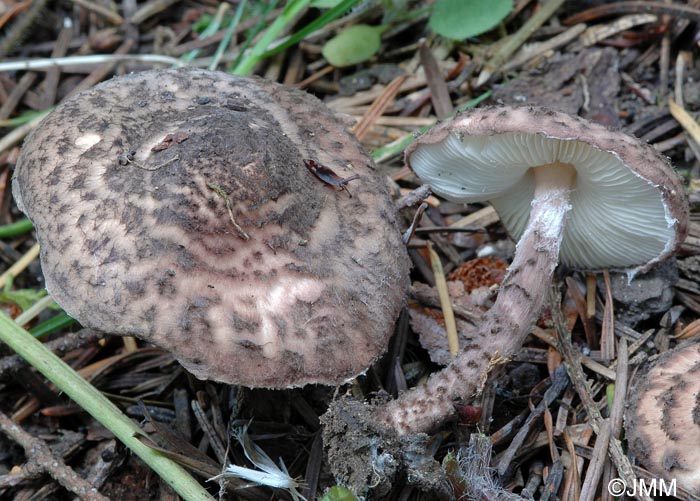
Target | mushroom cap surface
(662,420)
(175,205)
(629,209)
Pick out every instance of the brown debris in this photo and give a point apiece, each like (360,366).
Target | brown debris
(480,272)
(170,140)
(42,458)
(60,346)
(429,323)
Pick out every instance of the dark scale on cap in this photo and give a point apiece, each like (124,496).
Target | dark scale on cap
(241,324)
(667,423)
(661,421)
(135,289)
(670,462)
(197,246)
(62,148)
(234,104)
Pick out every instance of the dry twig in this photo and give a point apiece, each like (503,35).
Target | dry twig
(572,360)
(40,456)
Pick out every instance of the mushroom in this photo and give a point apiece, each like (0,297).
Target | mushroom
(662,420)
(568,190)
(178,206)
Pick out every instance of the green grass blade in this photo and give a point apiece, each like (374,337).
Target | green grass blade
(24,118)
(211,28)
(226,41)
(251,34)
(17,228)
(53,324)
(316,24)
(292,9)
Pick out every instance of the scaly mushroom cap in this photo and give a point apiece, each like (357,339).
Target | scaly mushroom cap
(176,206)
(628,206)
(662,422)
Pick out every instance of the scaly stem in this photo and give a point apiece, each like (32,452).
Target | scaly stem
(507,323)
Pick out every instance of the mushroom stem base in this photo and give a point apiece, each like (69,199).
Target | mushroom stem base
(507,323)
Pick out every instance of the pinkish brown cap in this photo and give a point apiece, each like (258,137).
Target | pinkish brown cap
(629,209)
(176,206)
(662,421)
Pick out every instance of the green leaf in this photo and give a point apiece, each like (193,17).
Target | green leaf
(353,45)
(460,19)
(338,493)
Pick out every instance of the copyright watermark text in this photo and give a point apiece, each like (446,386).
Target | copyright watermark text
(642,487)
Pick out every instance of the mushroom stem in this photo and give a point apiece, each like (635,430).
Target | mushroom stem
(507,323)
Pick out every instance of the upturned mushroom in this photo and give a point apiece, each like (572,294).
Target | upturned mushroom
(662,420)
(180,206)
(568,191)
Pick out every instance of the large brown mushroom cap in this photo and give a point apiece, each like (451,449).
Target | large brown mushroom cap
(629,209)
(283,282)
(662,421)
